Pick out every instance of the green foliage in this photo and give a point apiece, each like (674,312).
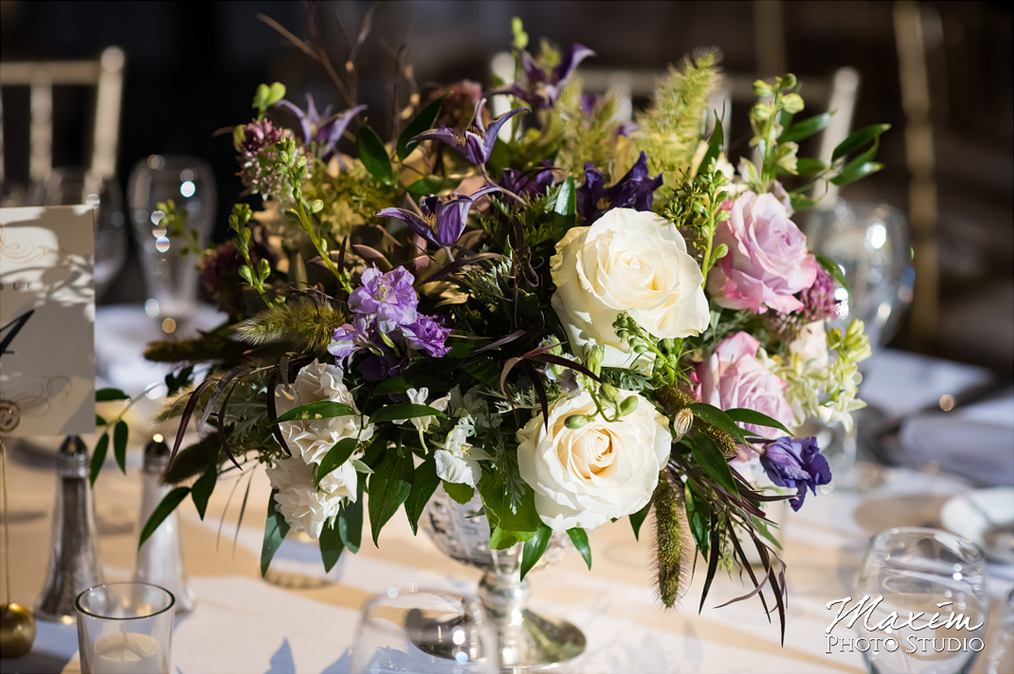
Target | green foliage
(671,127)
(301,324)
(275,530)
(162,511)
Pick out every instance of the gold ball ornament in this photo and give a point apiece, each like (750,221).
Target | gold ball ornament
(17,630)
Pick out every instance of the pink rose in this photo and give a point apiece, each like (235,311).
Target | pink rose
(733,377)
(767,261)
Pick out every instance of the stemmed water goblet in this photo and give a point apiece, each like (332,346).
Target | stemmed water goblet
(169,266)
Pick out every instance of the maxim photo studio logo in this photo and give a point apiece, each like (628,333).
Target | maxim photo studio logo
(911,633)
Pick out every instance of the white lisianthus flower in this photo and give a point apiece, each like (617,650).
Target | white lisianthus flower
(304,507)
(458,461)
(314,439)
(632,262)
(586,476)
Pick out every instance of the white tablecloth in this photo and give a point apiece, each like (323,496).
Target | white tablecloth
(304,621)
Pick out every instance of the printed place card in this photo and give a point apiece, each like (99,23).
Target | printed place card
(47,317)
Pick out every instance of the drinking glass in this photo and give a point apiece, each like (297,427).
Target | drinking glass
(171,277)
(922,573)
(125,628)
(1001,654)
(71,186)
(424,631)
(870,242)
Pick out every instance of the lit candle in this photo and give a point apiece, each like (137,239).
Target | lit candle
(128,653)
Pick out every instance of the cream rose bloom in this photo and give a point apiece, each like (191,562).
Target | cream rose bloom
(584,477)
(632,262)
(314,439)
(304,507)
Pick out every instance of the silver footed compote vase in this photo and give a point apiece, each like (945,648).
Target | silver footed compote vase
(527,641)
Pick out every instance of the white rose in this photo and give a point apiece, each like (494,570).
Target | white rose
(631,262)
(304,507)
(586,476)
(314,439)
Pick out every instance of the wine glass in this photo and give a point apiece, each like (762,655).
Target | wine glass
(171,276)
(74,186)
(923,573)
(871,244)
(424,631)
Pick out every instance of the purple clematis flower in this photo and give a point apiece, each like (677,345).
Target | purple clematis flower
(390,297)
(530,183)
(796,463)
(324,130)
(543,88)
(443,218)
(635,190)
(476,143)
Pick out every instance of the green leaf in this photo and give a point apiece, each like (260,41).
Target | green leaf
(120,433)
(399,411)
(324,409)
(715,143)
(331,545)
(501,539)
(710,458)
(107,394)
(390,485)
(99,456)
(519,517)
(403,383)
(717,418)
(99,421)
(361,467)
(483,370)
(424,483)
(637,519)
(579,538)
(801,202)
(275,529)
(834,269)
(350,522)
(565,208)
(699,518)
(336,456)
(808,167)
(420,123)
(373,154)
(202,489)
(806,128)
(162,511)
(857,139)
(534,548)
(462,493)
(854,172)
(747,416)
(431,185)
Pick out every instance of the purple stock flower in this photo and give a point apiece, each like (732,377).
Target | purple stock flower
(818,300)
(387,325)
(543,88)
(635,190)
(443,218)
(476,143)
(324,130)
(257,156)
(389,296)
(530,183)
(428,335)
(796,463)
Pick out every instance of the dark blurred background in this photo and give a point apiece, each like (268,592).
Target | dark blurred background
(192,68)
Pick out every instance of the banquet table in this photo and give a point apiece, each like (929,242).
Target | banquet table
(301,619)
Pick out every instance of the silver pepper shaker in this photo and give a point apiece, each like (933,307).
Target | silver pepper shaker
(160,559)
(74,563)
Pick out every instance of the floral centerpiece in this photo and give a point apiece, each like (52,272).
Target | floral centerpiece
(575,318)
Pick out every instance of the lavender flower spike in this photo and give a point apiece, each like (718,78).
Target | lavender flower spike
(443,218)
(476,143)
(324,130)
(796,463)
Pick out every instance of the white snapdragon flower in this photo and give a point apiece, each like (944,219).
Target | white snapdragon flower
(458,461)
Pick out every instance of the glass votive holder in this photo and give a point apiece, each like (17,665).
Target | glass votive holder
(125,628)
